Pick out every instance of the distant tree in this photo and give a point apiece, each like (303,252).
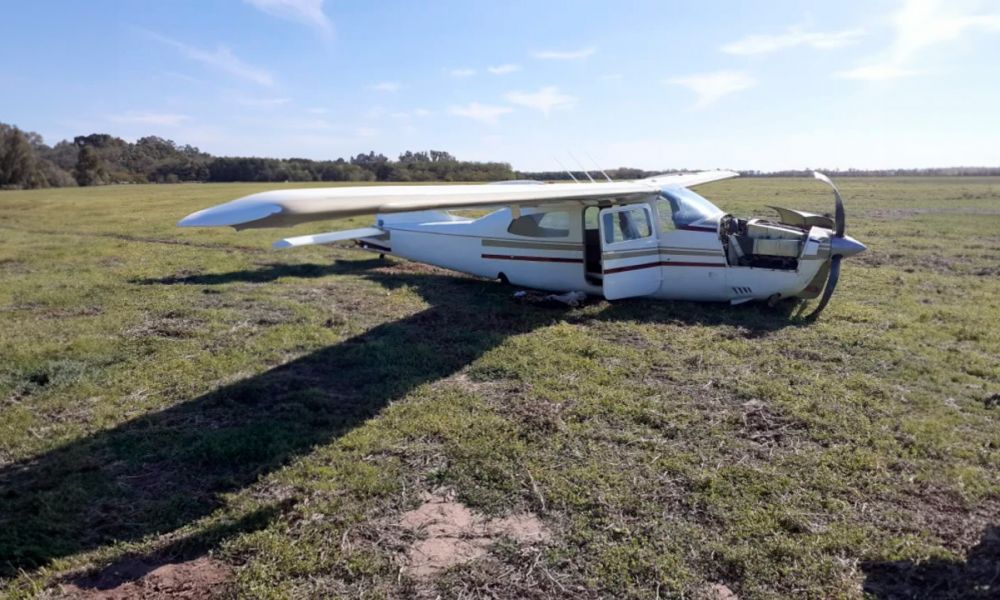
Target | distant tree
(627,173)
(63,155)
(55,176)
(89,168)
(441,156)
(376,164)
(113,156)
(18,166)
(411,157)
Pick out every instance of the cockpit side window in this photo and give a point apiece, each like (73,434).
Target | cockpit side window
(544,225)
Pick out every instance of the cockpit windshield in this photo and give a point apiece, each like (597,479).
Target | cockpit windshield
(688,207)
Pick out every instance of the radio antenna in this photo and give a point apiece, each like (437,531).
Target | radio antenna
(568,172)
(596,164)
(577,161)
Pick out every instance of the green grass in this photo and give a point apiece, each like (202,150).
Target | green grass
(168,392)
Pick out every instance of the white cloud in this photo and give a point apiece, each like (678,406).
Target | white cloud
(544,100)
(710,87)
(309,12)
(386,86)
(408,115)
(462,72)
(878,72)
(566,54)
(485,113)
(150,118)
(222,59)
(263,102)
(317,110)
(922,24)
(503,69)
(366,132)
(794,36)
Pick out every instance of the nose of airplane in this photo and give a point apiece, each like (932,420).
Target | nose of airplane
(846,246)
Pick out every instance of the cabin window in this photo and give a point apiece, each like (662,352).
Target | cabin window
(545,225)
(625,225)
(686,206)
(665,214)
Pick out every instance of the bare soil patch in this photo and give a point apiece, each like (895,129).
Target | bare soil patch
(194,579)
(717,591)
(451,534)
(165,327)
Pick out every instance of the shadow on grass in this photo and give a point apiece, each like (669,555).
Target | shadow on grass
(977,577)
(263,274)
(133,568)
(163,470)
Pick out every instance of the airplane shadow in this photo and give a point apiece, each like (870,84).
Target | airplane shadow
(265,273)
(977,577)
(163,470)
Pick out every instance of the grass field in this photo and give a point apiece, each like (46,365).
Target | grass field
(172,394)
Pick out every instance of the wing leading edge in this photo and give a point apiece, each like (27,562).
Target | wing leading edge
(283,208)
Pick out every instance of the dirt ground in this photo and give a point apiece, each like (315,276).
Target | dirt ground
(194,579)
(450,534)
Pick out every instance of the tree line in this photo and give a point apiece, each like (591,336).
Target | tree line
(26,162)
(926,172)
(624,173)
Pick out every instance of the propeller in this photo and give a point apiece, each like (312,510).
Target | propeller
(839,247)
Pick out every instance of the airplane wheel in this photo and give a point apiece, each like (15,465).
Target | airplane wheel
(773,300)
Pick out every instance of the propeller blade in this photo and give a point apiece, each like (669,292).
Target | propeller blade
(831,284)
(839,220)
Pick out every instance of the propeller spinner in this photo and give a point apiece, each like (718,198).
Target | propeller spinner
(840,246)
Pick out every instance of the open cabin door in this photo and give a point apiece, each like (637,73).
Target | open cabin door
(629,253)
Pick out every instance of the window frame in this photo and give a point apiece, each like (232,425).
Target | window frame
(614,212)
(538,217)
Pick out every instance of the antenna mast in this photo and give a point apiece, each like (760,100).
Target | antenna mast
(596,164)
(577,161)
(568,172)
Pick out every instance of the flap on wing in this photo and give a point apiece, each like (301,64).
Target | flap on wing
(328,238)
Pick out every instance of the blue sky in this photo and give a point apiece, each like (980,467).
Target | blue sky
(654,84)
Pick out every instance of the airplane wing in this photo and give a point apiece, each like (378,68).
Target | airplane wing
(283,208)
(690,179)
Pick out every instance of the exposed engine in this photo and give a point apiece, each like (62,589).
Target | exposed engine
(760,243)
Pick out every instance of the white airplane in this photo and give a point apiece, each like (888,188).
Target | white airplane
(645,238)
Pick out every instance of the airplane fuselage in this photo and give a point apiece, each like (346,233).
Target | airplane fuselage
(576,251)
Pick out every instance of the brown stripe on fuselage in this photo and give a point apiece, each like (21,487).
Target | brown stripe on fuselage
(660,250)
(690,251)
(564,246)
(661,264)
(630,254)
(555,259)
